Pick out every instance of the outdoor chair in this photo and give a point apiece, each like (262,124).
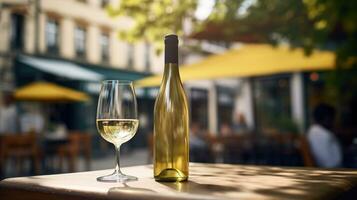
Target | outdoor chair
(306,152)
(19,148)
(79,143)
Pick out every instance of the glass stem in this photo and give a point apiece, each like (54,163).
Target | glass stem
(117,155)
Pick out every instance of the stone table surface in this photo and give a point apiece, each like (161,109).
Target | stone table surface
(206,181)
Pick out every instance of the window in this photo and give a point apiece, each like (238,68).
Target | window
(130,56)
(147,56)
(272,104)
(80,41)
(104,44)
(225,106)
(199,107)
(52,36)
(104,3)
(17,30)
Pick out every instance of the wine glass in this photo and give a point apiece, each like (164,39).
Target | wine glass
(117,120)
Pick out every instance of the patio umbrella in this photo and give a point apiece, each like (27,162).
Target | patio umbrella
(250,60)
(44,91)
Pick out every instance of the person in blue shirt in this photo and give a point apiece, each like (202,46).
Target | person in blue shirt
(324,145)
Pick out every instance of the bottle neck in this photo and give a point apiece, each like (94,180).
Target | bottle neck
(171,70)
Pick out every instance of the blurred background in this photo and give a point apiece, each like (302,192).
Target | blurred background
(268,82)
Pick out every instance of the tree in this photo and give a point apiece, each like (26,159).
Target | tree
(310,24)
(153,19)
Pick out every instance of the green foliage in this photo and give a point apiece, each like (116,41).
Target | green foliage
(152,20)
(337,21)
(276,21)
(304,23)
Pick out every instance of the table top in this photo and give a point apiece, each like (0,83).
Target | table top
(206,181)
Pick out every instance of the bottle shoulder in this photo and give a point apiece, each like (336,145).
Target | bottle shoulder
(171,91)
(171,99)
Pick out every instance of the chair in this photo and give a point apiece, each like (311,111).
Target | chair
(306,152)
(20,147)
(79,144)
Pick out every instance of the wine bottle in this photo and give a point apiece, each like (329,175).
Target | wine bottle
(171,139)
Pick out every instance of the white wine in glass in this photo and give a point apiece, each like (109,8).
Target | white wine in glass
(117,131)
(117,120)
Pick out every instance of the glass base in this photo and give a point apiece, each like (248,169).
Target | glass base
(117,177)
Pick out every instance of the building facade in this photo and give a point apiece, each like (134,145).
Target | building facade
(80,35)
(75,30)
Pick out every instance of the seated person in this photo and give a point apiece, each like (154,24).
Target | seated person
(225,129)
(8,115)
(240,124)
(196,140)
(324,145)
(32,122)
(199,148)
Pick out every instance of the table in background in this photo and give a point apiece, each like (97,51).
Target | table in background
(207,181)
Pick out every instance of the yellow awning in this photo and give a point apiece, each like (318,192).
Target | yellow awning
(44,91)
(250,60)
